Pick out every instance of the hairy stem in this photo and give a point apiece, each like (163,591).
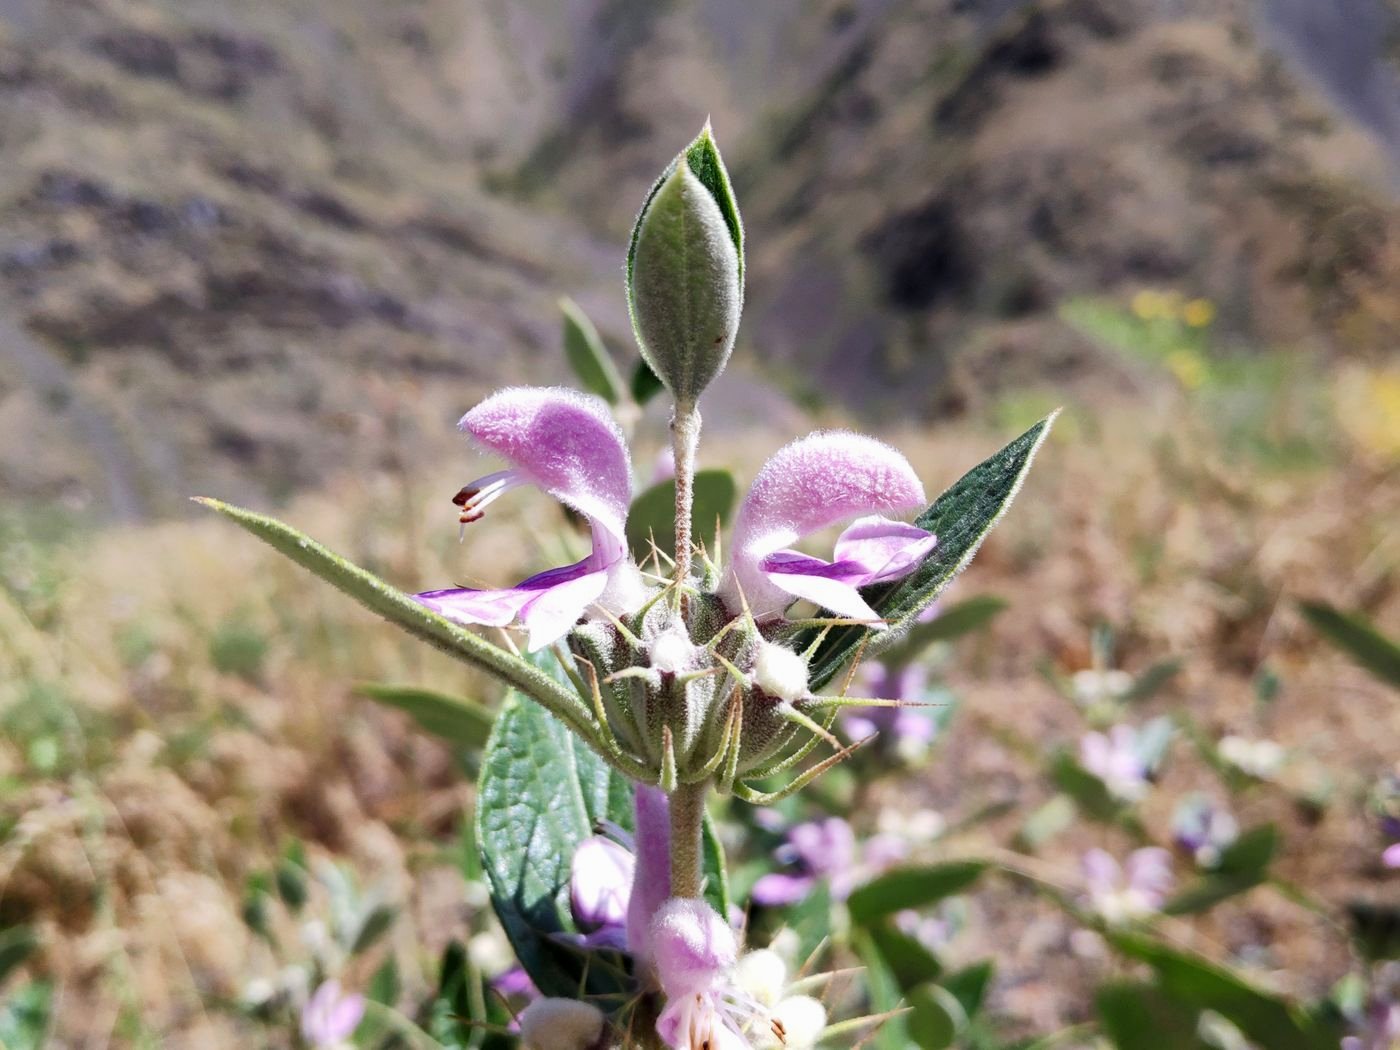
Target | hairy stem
(687,818)
(685,436)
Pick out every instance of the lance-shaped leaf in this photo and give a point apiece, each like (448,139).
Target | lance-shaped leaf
(455,720)
(401,609)
(588,357)
(1359,639)
(961,519)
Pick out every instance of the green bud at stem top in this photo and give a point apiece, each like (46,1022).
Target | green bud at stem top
(685,272)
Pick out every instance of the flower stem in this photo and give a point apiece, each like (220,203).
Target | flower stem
(685,436)
(687,818)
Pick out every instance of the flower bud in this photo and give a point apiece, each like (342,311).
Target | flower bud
(780,672)
(561,1024)
(685,271)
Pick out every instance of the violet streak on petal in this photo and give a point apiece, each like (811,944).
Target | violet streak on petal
(806,486)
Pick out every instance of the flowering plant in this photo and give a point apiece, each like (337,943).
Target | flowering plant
(644,689)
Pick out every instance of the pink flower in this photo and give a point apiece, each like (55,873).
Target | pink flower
(693,951)
(331,1016)
(823,849)
(808,485)
(1123,896)
(567,444)
(1116,760)
(1391,857)
(600,885)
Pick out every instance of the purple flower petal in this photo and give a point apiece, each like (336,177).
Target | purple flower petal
(331,1015)
(600,883)
(808,485)
(777,890)
(1391,857)
(691,946)
(565,442)
(887,549)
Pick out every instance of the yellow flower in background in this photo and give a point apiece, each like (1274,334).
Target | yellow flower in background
(1189,367)
(1148,305)
(1367,402)
(1198,313)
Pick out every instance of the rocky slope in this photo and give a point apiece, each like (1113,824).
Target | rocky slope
(250,252)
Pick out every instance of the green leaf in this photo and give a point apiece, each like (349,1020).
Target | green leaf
(961,519)
(912,887)
(539,795)
(1376,929)
(375,924)
(385,986)
(884,995)
(1251,853)
(1244,865)
(1089,792)
(645,385)
(909,962)
(703,157)
(1139,1017)
(588,357)
(458,721)
(936,1017)
(25,1017)
(1358,638)
(1151,681)
(954,621)
(1196,982)
(399,608)
(712,865)
(970,984)
(16,945)
(810,919)
(653,513)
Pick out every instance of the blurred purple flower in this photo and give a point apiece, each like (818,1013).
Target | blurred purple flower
(1391,857)
(908,731)
(331,1015)
(1116,759)
(515,982)
(806,486)
(824,849)
(1203,829)
(600,887)
(567,444)
(1122,896)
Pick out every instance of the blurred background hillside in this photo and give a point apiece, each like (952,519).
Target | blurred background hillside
(240,245)
(270,251)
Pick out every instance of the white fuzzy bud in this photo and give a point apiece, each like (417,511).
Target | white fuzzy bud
(803,1019)
(780,672)
(672,652)
(561,1024)
(762,974)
